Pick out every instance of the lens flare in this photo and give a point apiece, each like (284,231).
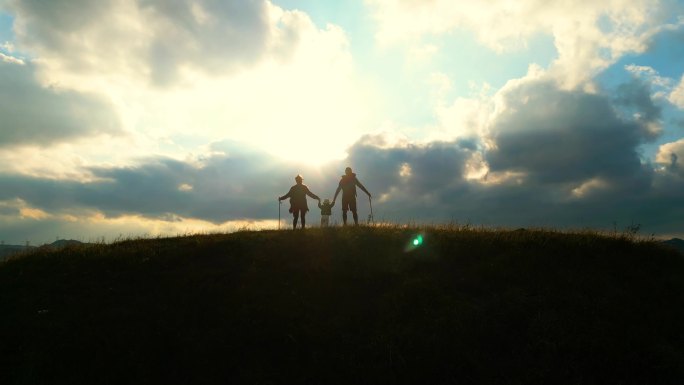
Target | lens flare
(414,243)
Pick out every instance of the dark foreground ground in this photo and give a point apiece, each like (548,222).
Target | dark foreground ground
(346,306)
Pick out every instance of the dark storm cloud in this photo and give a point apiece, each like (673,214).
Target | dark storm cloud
(578,155)
(152,190)
(635,96)
(32,114)
(567,136)
(427,168)
(209,35)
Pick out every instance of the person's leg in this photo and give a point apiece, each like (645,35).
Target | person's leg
(345,207)
(325,221)
(303,219)
(352,207)
(295,213)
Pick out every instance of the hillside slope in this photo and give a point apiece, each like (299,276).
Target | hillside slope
(341,306)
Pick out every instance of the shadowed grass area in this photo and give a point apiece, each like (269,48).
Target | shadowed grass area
(347,305)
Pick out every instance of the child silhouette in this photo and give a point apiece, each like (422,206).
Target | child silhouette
(326,211)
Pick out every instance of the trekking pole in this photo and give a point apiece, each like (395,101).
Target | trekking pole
(371,209)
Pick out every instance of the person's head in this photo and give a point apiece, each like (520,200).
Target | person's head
(326,201)
(348,171)
(299,179)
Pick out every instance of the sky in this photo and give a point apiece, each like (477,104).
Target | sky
(143,118)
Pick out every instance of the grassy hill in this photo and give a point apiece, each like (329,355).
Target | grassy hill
(344,306)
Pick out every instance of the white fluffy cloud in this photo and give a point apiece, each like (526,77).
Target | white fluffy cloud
(588,35)
(671,155)
(677,95)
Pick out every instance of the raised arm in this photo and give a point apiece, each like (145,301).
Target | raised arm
(362,187)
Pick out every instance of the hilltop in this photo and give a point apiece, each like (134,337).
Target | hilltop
(346,305)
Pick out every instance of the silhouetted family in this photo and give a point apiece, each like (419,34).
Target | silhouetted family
(299,207)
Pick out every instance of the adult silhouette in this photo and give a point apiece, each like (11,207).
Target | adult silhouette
(298,206)
(348,184)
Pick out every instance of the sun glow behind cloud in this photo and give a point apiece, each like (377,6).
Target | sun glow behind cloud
(300,99)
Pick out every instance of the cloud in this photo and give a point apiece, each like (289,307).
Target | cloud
(207,67)
(676,97)
(232,184)
(670,156)
(409,182)
(11,59)
(636,96)
(534,155)
(538,155)
(588,35)
(158,40)
(93,226)
(555,135)
(33,114)
(410,170)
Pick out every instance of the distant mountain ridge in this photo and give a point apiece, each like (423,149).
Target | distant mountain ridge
(65,242)
(9,250)
(675,243)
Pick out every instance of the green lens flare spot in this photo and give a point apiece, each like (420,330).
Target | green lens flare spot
(413,243)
